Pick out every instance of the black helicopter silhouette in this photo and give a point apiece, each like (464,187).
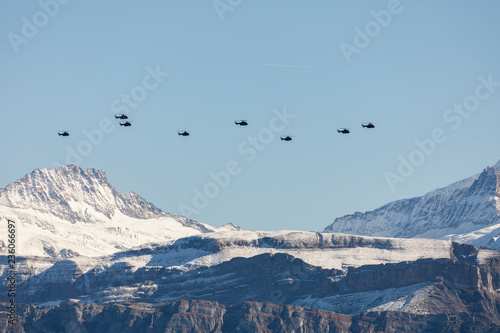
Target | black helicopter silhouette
(65,133)
(369,125)
(286,138)
(123,116)
(241,123)
(343,131)
(126,124)
(185,133)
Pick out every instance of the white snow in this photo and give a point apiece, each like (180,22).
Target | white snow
(36,232)
(300,245)
(70,211)
(411,299)
(467,211)
(328,258)
(49,303)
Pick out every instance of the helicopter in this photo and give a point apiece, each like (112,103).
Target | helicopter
(369,125)
(241,123)
(286,138)
(185,133)
(65,133)
(343,131)
(123,116)
(126,124)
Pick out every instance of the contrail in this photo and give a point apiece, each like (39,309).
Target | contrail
(291,66)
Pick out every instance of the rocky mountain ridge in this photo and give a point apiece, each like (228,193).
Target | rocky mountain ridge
(467,211)
(58,191)
(70,211)
(274,267)
(120,264)
(275,293)
(246,317)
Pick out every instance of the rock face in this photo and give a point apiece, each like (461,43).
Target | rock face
(65,212)
(100,261)
(181,316)
(202,316)
(467,211)
(280,267)
(60,191)
(266,292)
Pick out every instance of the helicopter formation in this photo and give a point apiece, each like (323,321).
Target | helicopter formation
(123,116)
(287,138)
(347,131)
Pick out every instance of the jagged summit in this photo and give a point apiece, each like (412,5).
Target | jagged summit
(497,166)
(486,184)
(466,211)
(69,192)
(69,211)
(230,227)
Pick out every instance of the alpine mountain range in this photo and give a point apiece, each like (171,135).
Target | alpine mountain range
(89,259)
(467,211)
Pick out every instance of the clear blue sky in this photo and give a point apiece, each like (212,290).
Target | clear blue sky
(262,55)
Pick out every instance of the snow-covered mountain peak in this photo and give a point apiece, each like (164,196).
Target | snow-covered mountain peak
(487,182)
(70,211)
(497,166)
(466,211)
(74,194)
(230,227)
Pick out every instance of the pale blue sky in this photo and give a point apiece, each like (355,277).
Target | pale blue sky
(88,53)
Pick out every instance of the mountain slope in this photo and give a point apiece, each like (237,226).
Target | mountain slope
(354,276)
(70,211)
(246,317)
(66,193)
(467,211)
(229,266)
(101,259)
